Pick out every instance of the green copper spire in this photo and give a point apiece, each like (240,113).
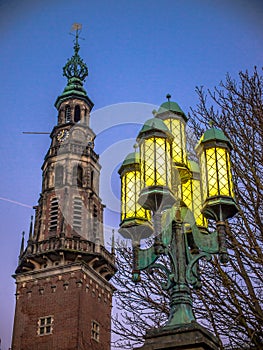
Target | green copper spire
(75,70)
(75,67)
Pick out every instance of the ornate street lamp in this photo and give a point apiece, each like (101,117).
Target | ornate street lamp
(180,205)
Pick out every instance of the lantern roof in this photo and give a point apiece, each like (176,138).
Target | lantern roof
(214,134)
(172,107)
(130,159)
(155,124)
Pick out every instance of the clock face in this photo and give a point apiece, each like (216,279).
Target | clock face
(62,135)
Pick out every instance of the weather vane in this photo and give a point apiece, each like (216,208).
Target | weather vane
(76,27)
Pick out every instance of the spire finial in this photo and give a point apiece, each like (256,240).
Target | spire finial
(77,28)
(135,146)
(31,229)
(113,242)
(75,67)
(22,244)
(211,123)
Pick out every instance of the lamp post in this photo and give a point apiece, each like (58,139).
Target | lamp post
(161,186)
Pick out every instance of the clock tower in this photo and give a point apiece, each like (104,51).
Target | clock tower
(63,294)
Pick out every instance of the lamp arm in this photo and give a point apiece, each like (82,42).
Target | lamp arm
(192,274)
(169,276)
(207,243)
(146,257)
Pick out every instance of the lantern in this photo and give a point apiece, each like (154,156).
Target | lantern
(214,154)
(135,220)
(192,196)
(155,141)
(175,119)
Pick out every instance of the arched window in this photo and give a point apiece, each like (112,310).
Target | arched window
(92,179)
(77,176)
(59,172)
(77,114)
(60,117)
(95,220)
(68,114)
(53,214)
(77,214)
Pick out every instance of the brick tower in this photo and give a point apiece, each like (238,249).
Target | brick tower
(63,294)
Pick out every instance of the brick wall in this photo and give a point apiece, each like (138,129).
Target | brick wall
(74,297)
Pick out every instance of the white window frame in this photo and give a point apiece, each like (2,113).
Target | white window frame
(45,325)
(95,331)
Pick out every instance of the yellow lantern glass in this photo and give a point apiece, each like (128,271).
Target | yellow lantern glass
(154,141)
(177,128)
(132,214)
(192,196)
(130,189)
(156,165)
(155,153)
(217,174)
(175,119)
(217,185)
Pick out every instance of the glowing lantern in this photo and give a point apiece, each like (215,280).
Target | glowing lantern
(192,196)
(175,119)
(214,154)
(155,141)
(135,220)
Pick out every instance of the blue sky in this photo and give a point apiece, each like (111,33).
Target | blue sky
(137,51)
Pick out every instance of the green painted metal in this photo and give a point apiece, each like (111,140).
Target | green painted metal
(135,228)
(146,257)
(132,160)
(206,242)
(156,198)
(184,250)
(75,70)
(153,126)
(193,166)
(177,236)
(219,208)
(173,107)
(214,134)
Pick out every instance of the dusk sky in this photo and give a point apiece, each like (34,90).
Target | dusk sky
(137,51)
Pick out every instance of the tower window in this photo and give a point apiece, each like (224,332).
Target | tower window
(77,175)
(77,214)
(77,114)
(68,114)
(45,325)
(59,172)
(95,331)
(95,220)
(53,218)
(92,179)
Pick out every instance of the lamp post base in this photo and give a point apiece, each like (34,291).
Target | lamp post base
(186,337)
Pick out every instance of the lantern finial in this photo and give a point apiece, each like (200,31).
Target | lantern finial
(211,123)
(168,96)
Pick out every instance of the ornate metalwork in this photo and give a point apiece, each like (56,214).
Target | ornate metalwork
(183,249)
(75,66)
(171,189)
